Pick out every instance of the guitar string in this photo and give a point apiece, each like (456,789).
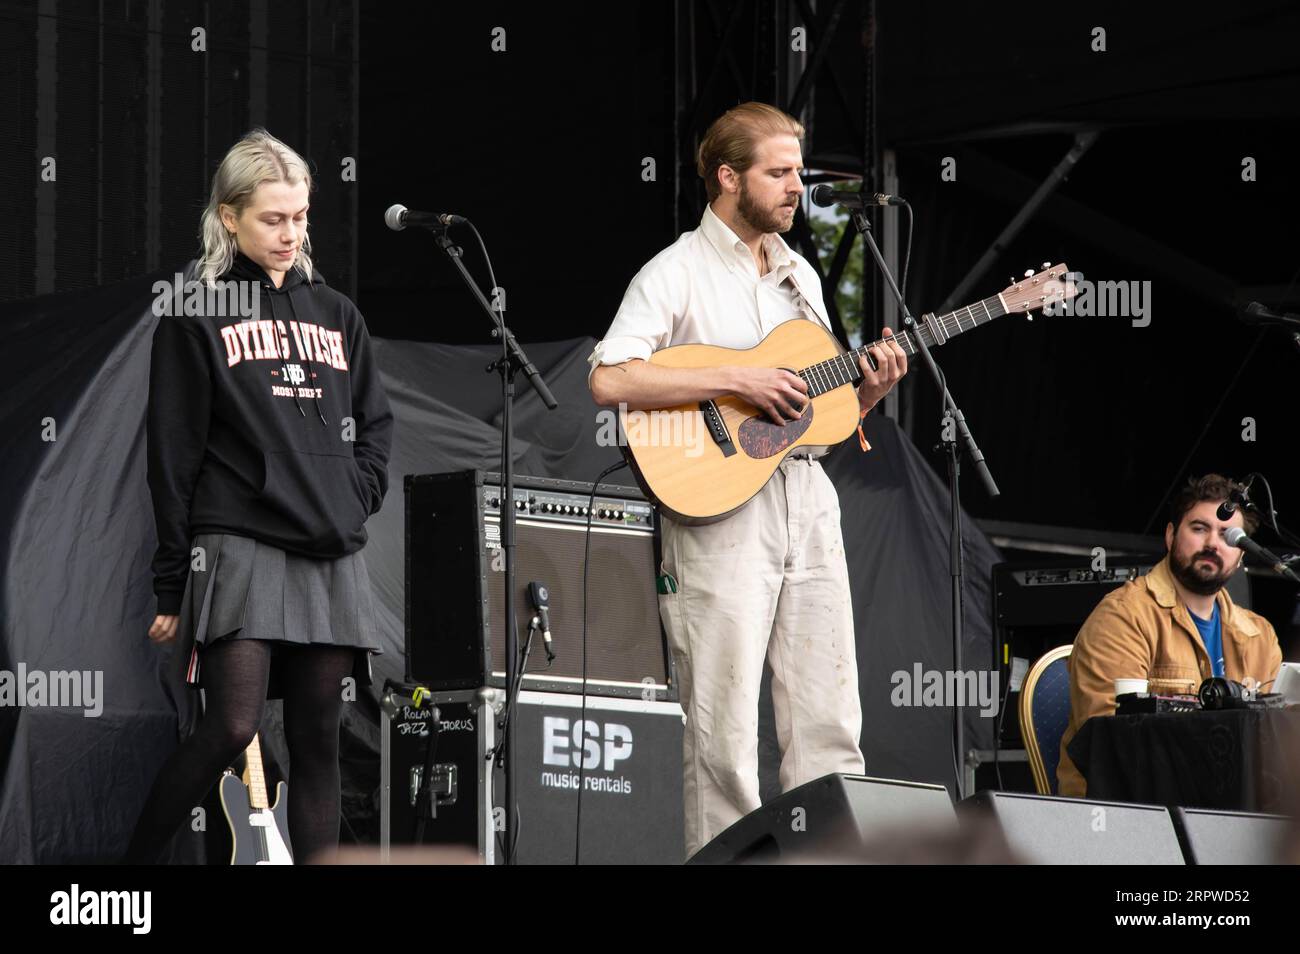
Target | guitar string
(945,321)
(905,342)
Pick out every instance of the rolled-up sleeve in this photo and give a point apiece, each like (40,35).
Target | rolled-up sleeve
(644,322)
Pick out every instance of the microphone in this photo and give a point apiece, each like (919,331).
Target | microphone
(1257,314)
(1236,537)
(541,600)
(824,196)
(1236,498)
(398,217)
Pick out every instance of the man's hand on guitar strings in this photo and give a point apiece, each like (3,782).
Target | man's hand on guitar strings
(775,391)
(891,365)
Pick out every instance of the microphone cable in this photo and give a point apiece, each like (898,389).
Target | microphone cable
(582,720)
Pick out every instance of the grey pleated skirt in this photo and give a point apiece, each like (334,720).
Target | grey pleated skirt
(246,589)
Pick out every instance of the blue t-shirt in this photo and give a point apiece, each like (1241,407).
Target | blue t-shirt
(1212,637)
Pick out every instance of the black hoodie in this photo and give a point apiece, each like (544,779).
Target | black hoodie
(276,428)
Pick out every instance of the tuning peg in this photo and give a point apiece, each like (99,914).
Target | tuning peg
(1012,279)
(1029,315)
(1029,272)
(1047,264)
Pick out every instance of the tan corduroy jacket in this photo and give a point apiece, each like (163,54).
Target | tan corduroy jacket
(1143,631)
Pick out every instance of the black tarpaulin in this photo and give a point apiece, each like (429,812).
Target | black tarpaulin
(78,536)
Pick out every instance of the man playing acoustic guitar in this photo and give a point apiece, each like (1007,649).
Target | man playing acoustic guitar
(770,580)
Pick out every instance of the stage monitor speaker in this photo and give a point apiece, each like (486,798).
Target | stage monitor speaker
(455,585)
(829,817)
(1042,829)
(1231,838)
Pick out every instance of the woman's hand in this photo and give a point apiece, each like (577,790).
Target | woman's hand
(163,629)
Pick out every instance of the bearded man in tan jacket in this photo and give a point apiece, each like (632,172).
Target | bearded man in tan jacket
(1151,628)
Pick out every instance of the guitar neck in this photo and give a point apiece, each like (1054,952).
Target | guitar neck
(934,329)
(253,776)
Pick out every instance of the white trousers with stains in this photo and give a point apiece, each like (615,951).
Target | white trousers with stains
(769,582)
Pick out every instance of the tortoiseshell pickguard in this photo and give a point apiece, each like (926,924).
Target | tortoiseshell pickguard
(760,438)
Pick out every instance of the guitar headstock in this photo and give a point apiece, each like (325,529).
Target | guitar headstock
(1034,291)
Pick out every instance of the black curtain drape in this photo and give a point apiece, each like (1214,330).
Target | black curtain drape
(78,536)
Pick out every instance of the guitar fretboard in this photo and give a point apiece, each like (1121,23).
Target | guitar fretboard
(934,329)
(253,775)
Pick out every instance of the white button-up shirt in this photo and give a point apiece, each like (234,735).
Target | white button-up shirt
(705,289)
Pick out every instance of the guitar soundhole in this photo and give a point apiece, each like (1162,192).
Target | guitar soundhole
(760,438)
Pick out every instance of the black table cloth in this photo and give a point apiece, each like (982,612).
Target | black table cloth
(1234,759)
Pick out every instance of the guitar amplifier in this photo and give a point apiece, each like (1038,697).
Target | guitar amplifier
(455,589)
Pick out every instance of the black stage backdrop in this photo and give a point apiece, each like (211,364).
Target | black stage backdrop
(79,535)
(1086,422)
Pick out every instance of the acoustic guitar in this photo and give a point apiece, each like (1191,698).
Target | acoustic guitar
(701,462)
(258,830)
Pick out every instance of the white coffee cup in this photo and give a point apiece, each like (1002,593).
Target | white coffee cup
(1125,686)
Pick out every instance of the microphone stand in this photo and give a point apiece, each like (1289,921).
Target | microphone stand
(863,225)
(512,359)
(1256,314)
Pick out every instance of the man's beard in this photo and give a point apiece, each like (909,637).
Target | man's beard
(758,218)
(1195,579)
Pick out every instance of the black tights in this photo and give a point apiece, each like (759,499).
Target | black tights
(235,675)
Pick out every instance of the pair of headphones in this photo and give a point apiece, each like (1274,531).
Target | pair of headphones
(1219,693)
